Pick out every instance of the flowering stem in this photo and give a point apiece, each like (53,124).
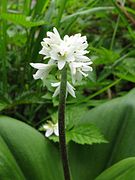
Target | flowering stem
(61,122)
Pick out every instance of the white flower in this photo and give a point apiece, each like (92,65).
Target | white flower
(79,69)
(70,49)
(43,70)
(51,128)
(70,89)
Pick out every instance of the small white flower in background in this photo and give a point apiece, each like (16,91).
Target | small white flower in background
(70,50)
(70,89)
(50,129)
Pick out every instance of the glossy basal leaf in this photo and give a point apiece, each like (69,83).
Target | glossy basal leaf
(9,168)
(31,154)
(123,170)
(116,121)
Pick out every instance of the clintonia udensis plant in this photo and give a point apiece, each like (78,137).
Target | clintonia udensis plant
(67,54)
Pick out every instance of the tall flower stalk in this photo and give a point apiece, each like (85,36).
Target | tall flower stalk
(61,123)
(67,54)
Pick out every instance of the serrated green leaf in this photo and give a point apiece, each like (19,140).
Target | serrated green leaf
(73,115)
(21,19)
(86,134)
(54,138)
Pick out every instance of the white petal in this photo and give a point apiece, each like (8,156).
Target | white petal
(86,68)
(83,58)
(72,68)
(46,57)
(56,32)
(39,65)
(55,84)
(73,79)
(42,52)
(40,74)
(56,131)
(61,64)
(84,74)
(46,126)
(50,34)
(49,132)
(88,63)
(78,76)
(52,62)
(54,37)
(56,92)
(71,89)
(66,38)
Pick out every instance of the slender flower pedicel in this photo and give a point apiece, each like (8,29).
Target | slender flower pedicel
(67,54)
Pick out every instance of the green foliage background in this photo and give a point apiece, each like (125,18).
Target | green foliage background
(24,24)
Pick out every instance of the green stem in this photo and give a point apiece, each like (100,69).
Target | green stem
(61,122)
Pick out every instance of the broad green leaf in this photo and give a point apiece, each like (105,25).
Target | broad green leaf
(123,170)
(26,153)
(9,168)
(21,19)
(116,121)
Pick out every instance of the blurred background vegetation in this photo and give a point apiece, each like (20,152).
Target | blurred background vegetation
(110,30)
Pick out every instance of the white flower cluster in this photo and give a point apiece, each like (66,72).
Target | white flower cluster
(70,50)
